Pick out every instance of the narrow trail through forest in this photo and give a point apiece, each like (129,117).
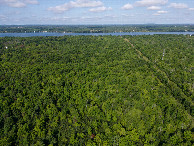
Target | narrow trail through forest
(181,98)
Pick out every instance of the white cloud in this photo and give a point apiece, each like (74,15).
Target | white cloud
(127,7)
(85,3)
(109,17)
(144,3)
(76,4)
(60,9)
(18,3)
(83,19)
(127,15)
(160,12)
(3,17)
(154,8)
(100,9)
(59,18)
(156,14)
(32,1)
(178,5)
(96,19)
(191,9)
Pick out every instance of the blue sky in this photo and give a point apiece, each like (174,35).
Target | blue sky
(96,11)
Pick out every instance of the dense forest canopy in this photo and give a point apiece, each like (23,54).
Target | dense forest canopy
(97,28)
(97,90)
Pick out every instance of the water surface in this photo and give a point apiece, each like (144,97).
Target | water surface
(86,34)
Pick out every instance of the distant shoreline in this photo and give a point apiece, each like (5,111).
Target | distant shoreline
(96,28)
(92,34)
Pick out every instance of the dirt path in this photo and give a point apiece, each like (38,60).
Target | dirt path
(129,42)
(182,98)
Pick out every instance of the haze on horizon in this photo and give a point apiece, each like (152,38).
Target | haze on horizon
(64,12)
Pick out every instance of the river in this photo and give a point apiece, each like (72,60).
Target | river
(86,34)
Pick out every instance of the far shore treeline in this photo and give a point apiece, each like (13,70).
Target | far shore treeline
(97,28)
